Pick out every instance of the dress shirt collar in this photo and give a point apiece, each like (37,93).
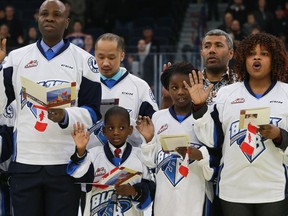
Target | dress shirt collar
(55,48)
(116,77)
(113,148)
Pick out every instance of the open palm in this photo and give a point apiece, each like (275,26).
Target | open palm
(80,137)
(145,127)
(196,88)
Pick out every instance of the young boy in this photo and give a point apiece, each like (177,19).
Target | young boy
(91,166)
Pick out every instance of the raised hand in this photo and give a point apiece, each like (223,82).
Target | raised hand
(145,127)
(80,137)
(166,100)
(165,66)
(196,89)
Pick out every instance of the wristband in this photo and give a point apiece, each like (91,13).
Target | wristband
(198,107)
(138,193)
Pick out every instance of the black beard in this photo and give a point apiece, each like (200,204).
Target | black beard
(216,70)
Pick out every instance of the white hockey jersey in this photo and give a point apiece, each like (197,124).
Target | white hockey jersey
(98,200)
(259,178)
(6,145)
(175,194)
(7,120)
(72,64)
(135,95)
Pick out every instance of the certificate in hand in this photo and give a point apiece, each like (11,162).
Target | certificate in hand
(255,116)
(59,96)
(170,142)
(117,176)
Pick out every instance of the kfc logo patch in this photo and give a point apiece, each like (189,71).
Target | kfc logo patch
(32,63)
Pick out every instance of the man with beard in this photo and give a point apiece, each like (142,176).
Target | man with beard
(217,51)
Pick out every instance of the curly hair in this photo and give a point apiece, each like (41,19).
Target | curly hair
(273,45)
(180,68)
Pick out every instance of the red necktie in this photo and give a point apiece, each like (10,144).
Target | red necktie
(117,152)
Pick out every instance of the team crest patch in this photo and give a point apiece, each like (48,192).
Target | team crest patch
(32,63)
(238,100)
(152,96)
(92,65)
(237,136)
(100,172)
(170,168)
(163,128)
(9,112)
(259,148)
(105,203)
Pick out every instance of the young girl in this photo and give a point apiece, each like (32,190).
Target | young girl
(176,194)
(253,179)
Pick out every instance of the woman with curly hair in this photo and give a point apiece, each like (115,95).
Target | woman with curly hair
(271,44)
(253,177)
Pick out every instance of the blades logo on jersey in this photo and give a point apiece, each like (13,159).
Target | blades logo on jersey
(113,207)
(237,137)
(170,167)
(105,204)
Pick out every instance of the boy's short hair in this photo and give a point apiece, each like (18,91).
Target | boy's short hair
(117,110)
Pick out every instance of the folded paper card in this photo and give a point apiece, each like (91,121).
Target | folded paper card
(118,176)
(255,116)
(58,96)
(170,142)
